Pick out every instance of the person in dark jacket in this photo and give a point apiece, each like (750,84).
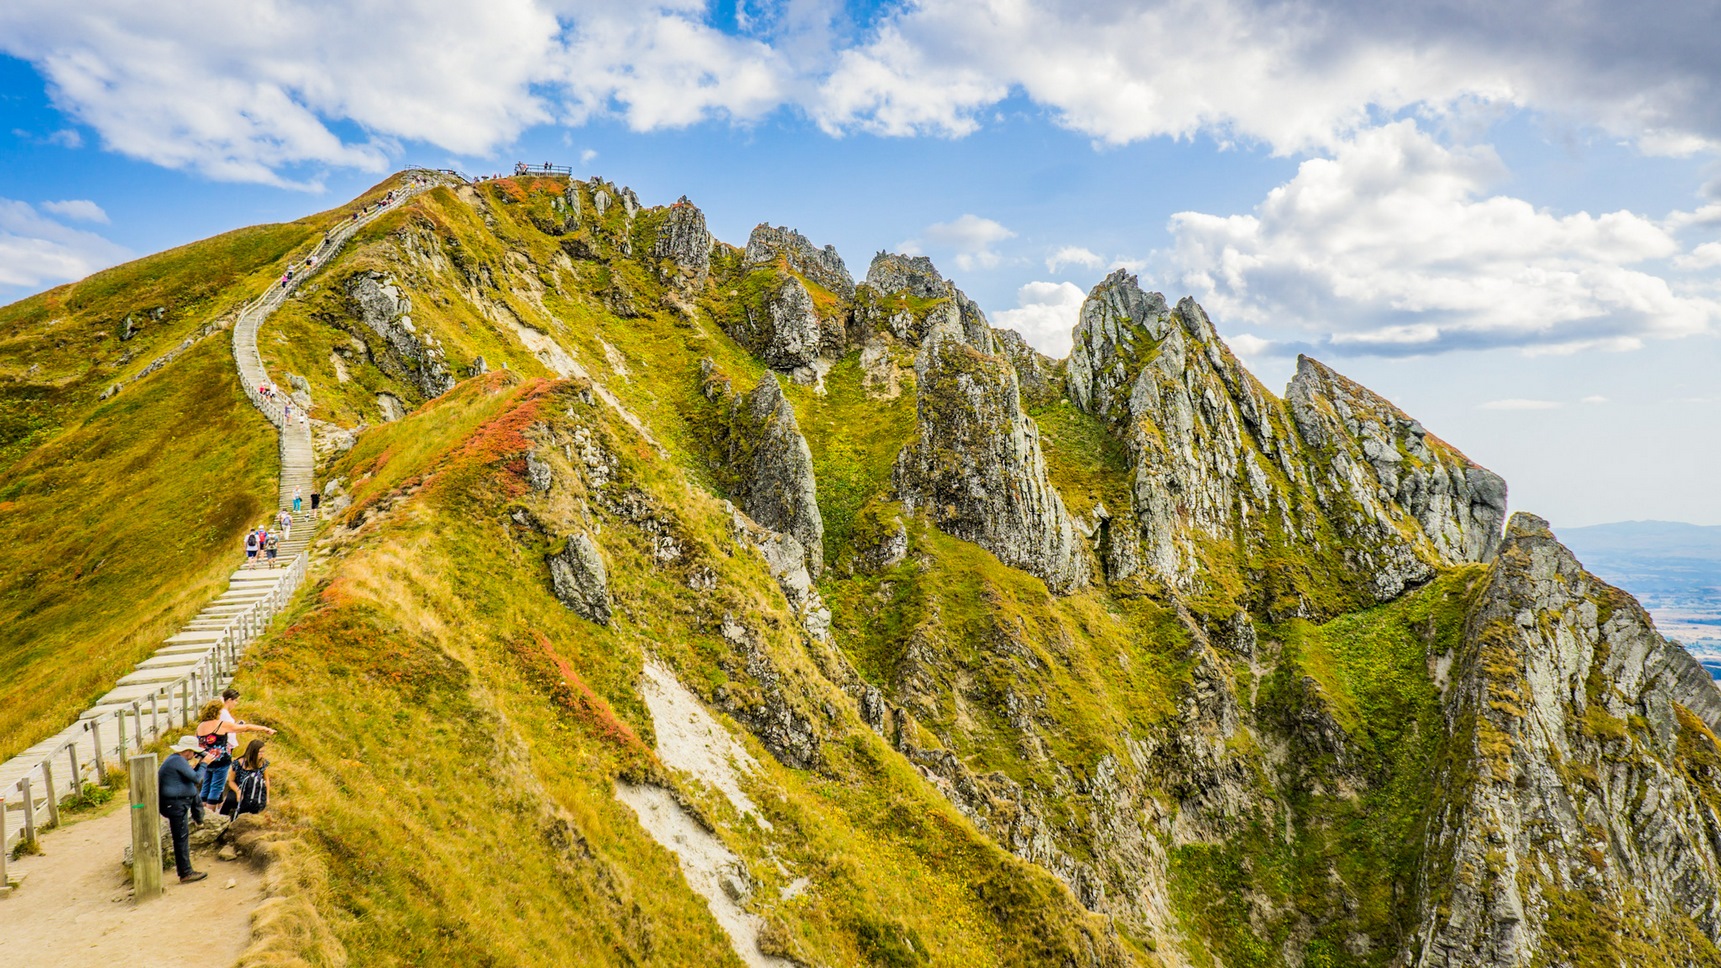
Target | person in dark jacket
(179,803)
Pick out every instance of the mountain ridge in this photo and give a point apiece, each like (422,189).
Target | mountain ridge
(1124,661)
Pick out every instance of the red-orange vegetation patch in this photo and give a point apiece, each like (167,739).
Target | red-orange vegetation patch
(548,670)
(509,188)
(503,439)
(338,593)
(7,506)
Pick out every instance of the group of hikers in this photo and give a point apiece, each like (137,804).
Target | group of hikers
(263,544)
(269,392)
(201,773)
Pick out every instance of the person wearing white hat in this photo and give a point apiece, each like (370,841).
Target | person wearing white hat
(177,787)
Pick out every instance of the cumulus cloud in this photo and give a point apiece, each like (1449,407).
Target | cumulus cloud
(1073,255)
(1045,315)
(36,250)
(78,210)
(970,237)
(1705,256)
(1394,246)
(274,92)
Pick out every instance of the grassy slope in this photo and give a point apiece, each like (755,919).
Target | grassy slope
(122,517)
(432,627)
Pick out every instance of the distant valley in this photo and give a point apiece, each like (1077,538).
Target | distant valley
(1674,570)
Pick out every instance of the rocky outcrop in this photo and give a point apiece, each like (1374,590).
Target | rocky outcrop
(768,245)
(580,580)
(1118,327)
(1035,371)
(684,240)
(976,468)
(1579,790)
(786,334)
(773,470)
(913,275)
(1374,454)
(384,310)
(1334,475)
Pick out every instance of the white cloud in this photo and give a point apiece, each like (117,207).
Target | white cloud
(1595,399)
(588,156)
(1045,315)
(1073,255)
(970,237)
(1518,404)
(36,250)
(1705,256)
(1395,246)
(272,92)
(78,210)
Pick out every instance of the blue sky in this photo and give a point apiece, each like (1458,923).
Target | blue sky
(1508,220)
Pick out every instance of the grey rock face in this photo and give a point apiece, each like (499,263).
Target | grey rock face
(823,266)
(1118,325)
(784,330)
(1379,456)
(914,275)
(976,468)
(1576,713)
(774,467)
(1215,455)
(382,308)
(1035,371)
(579,579)
(683,238)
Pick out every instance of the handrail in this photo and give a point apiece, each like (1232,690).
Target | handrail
(214,669)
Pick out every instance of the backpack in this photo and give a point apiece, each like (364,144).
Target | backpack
(273,540)
(251,541)
(253,791)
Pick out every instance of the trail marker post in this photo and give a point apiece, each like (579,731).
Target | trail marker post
(145,828)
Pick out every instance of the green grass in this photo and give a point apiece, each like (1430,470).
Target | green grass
(481,791)
(121,529)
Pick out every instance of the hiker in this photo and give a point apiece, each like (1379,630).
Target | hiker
(316,503)
(176,785)
(216,732)
(285,520)
(271,545)
(251,545)
(298,502)
(247,784)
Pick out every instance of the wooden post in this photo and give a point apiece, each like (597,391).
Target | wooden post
(101,760)
(124,747)
(29,809)
(136,720)
(185,702)
(145,827)
(5,852)
(53,794)
(76,781)
(154,720)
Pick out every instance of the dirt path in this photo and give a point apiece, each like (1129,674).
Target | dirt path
(75,908)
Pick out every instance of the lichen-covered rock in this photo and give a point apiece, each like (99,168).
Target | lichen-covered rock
(1035,371)
(1376,455)
(774,470)
(976,469)
(384,310)
(1334,477)
(683,238)
(1581,790)
(580,580)
(791,334)
(914,275)
(768,245)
